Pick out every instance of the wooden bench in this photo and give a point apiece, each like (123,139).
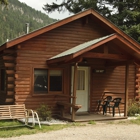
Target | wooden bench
(10,112)
(63,105)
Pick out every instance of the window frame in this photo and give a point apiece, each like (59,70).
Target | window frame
(38,93)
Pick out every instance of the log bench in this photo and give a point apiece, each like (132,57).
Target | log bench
(11,112)
(63,105)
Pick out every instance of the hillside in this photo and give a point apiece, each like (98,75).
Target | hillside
(14,18)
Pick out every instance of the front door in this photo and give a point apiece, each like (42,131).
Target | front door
(82,87)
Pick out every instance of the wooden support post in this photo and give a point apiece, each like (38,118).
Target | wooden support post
(74,91)
(126,88)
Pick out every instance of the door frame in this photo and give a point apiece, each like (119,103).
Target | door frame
(87,69)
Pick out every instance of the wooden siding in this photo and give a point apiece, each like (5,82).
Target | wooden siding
(34,53)
(113,80)
(137,85)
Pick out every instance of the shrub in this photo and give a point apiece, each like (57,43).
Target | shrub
(133,108)
(44,112)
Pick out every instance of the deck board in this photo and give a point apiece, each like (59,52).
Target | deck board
(94,117)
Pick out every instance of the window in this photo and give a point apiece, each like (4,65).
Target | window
(81,80)
(40,80)
(55,80)
(2,80)
(47,80)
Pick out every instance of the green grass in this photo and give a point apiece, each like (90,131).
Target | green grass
(92,122)
(18,131)
(135,121)
(131,121)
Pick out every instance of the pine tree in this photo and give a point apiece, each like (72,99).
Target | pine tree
(4,2)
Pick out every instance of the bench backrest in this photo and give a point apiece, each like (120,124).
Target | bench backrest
(12,111)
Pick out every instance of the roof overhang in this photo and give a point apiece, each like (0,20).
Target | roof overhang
(77,53)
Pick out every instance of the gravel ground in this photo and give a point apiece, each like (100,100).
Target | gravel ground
(100,131)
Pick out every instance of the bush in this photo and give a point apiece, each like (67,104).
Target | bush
(44,112)
(133,107)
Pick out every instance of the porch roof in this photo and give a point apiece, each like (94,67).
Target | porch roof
(81,47)
(76,53)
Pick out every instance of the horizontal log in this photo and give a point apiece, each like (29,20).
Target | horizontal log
(9,65)
(24,86)
(10,93)
(10,85)
(22,52)
(17,89)
(22,92)
(35,101)
(37,58)
(22,76)
(138,75)
(9,100)
(23,79)
(137,97)
(137,80)
(10,71)
(105,56)
(31,62)
(8,58)
(9,51)
(23,72)
(22,82)
(10,79)
(21,68)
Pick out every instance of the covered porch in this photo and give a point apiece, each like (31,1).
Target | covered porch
(107,49)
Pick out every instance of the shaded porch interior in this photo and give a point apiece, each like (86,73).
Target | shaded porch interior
(97,114)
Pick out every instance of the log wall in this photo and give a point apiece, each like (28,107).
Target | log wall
(34,53)
(113,80)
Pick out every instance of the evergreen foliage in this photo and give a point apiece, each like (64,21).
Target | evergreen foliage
(4,2)
(123,13)
(14,18)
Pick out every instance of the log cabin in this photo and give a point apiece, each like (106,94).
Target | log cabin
(77,60)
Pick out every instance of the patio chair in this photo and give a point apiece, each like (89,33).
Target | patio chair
(104,102)
(114,104)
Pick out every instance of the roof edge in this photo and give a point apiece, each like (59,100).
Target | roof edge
(47,28)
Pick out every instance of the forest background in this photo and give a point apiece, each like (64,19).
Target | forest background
(14,16)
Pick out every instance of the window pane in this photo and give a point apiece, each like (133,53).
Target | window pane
(81,80)
(55,80)
(40,80)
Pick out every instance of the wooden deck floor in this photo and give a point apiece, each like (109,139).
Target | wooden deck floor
(95,117)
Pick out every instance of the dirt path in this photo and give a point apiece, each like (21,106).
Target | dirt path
(89,132)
